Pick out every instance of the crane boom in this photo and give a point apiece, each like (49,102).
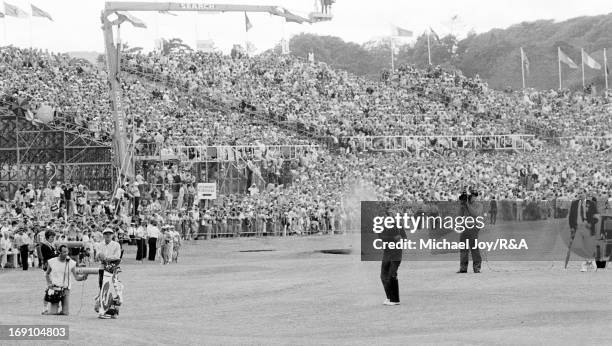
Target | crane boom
(113,6)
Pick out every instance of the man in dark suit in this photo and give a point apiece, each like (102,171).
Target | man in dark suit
(392,258)
(470,207)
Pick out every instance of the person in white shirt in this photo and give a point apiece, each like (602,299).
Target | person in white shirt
(58,274)
(195,223)
(135,192)
(109,251)
(153,233)
(119,198)
(57,194)
(5,228)
(5,247)
(23,240)
(140,235)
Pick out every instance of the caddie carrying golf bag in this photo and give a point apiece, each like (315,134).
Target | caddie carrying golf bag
(110,296)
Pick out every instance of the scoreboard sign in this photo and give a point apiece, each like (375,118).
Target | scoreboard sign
(194,6)
(207,190)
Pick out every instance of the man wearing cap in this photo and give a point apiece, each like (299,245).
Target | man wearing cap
(108,250)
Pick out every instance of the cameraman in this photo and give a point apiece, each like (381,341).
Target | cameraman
(59,270)
(469,207)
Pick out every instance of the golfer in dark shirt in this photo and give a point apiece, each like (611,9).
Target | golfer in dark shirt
(392,258)
(470,207)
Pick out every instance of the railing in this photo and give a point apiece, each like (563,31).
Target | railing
(541,131)
(403,143)
(220,153)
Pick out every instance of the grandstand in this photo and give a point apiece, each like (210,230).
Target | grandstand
(262,114)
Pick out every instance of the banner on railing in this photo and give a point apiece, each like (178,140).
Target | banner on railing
(224,153)
(417,143)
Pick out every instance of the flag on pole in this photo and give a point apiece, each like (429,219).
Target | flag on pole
(14,11)
(590,62)
(455,23)
(397,31)
(525,60)
(126,16)
(566,59)
(37,12)
(290,17)
(434,34)
(168,13)
(247,22)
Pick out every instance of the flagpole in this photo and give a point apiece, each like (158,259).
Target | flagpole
(284,35)
(428,47)
(559,61)
(246,37)
(392,56)
(582,63)
(195,26)
(523,66)
(156,28)
(606,68)
(30,31)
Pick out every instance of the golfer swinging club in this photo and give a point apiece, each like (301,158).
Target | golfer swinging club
(392,258)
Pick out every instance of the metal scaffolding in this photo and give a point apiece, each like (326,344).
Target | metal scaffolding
(42,154)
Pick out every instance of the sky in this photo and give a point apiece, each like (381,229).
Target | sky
(76,25)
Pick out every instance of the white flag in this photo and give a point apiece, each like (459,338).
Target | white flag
(590,62)
(127,16)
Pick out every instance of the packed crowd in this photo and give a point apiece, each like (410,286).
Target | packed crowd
(66,213)
(73,88)
(202,99)
(326,101)
(563,112)
(174,100)
(410,102)
(78,93)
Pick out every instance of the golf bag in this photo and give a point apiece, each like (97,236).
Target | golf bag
(110,297)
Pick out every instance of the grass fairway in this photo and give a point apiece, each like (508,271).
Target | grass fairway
(228,292)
